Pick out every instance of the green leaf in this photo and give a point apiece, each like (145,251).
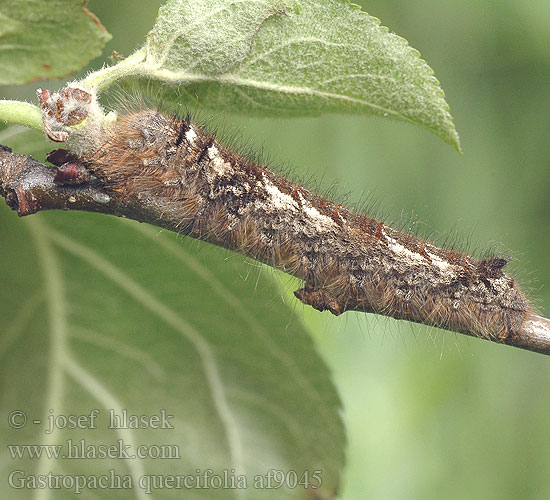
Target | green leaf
(42,40)
(207,37)
(293,57)
(99,312)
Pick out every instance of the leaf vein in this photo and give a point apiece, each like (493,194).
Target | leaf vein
(186,330)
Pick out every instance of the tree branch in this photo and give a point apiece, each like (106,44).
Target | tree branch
(29,187)
(534,334)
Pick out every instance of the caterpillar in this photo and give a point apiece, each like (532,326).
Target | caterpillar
(148,159)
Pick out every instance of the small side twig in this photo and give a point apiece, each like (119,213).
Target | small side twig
(28,187)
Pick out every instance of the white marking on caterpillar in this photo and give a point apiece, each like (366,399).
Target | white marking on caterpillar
(279,200)
(190,136)
(218,164)
(283,201)
(442,264)
(404,252)
(398,249)
(322,222)
(213,152)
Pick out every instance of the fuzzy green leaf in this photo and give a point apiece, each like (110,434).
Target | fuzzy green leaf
(41,40)
(207,37)
(287,57)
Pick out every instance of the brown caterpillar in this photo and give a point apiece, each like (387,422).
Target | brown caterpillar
(148,159)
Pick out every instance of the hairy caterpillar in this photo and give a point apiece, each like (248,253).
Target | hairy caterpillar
(166,165)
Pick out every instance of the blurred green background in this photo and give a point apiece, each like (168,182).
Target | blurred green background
(433,414)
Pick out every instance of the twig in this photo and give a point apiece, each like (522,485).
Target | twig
(28,187)
(534,335)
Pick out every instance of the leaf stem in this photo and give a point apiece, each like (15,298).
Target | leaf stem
(105,77)
(21,113)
